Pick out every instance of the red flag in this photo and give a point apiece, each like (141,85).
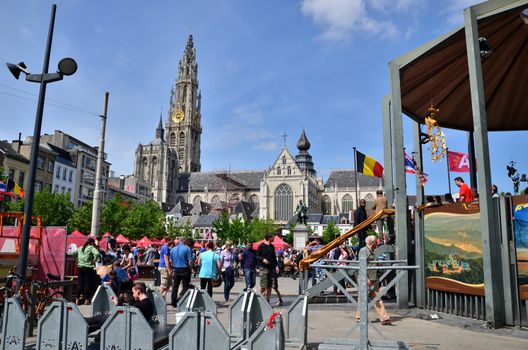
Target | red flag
(458,162)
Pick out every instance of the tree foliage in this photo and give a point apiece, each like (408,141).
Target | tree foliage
(330,232)
(240,231)
(81,219)
(114,214)
(143,220)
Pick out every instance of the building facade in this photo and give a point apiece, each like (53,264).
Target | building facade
(15,164)
(84,157)
(65,177)
(45,164)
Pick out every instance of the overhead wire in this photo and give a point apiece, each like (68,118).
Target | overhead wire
(49,101)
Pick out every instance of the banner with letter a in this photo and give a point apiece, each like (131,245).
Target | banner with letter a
(458,162)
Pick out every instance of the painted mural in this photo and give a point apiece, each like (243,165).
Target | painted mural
(520,225)
(453,249)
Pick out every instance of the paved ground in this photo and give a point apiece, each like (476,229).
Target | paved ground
(336,321)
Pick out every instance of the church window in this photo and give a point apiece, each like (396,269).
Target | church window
(283,203)
(369,198)
(347,203)
(197,200)
(326,205)
(278,170)
(181,146)
(173,139)
(234,199)
(154,170)
(283,159)
(289,170)
(215,201)
(145,169)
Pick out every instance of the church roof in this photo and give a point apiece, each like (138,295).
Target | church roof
(244,208)
(346,178)
(206,220)
(219,181)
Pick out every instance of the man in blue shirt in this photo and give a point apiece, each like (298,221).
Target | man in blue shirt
(181,260)
(164,266)
(248,259)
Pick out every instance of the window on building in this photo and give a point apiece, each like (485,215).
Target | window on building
(51,166)
(197,200)
(70,179)
(64,171)
(21,176)
(63,189)
(347,203)
(56,189)
(38,186)
(57,175)
(145,169)
(12,174)
(172,139)
(326,205)
(216,202)
(283,159)
(289,170)
(154,171)
(278,170)
(283,203)
(40,163)
(369,198)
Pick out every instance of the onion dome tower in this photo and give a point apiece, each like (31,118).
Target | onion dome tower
(304,159)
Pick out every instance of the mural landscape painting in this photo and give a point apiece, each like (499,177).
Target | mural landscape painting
(520,224)
(453,250)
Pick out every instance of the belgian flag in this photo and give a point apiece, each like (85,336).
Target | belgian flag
(368,166)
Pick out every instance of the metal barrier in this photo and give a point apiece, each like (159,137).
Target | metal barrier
(104,301)
(62,327)
(472,306)
(127,329)
(237,316)
(269,335)
(13,326)
(297,322)
(362,266)
(200,331)
(159,319)
(196,300)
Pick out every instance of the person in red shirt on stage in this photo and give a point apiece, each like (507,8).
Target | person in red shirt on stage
(466,195)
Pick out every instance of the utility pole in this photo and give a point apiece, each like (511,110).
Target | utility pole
(100,159)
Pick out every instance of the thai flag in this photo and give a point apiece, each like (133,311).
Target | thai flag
(410,166)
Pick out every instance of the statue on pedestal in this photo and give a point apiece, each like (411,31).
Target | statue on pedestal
(302,213)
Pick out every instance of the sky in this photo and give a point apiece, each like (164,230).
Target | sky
(265,68)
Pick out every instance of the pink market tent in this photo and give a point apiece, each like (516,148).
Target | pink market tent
(144,242)
(155,241)
(278,244)
(122,239)
(74,241)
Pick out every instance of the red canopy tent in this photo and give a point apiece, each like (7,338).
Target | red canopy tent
(75,240)
(278,243)
(122,239)
(155,241)
(144,242)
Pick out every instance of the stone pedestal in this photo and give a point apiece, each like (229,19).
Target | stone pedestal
(300,236)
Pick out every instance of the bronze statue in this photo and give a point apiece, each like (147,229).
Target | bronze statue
(302,213)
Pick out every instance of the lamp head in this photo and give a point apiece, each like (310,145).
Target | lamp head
(15,69)
(67,66)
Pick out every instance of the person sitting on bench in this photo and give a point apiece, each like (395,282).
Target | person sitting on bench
(141,301)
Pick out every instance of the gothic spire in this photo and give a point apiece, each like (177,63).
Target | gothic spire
(159,130)
(304,159)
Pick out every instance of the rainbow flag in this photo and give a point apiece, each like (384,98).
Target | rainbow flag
(368,166)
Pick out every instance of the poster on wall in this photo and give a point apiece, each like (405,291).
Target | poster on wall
(453,248)
(520,226)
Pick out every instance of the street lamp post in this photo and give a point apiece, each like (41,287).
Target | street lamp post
(67,66)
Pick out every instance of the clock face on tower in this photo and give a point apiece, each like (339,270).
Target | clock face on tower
(178,116)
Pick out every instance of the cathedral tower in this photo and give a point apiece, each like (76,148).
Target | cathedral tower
(184,128)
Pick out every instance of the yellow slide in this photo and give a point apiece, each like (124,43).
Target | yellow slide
(318,254)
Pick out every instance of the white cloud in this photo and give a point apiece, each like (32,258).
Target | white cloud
(343,18)
(266,146)
(454,11)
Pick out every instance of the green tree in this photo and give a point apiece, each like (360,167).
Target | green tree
(330,232)
(81,219)
(144,219)
(55,209)
(114,214)
(258,228)
(222,226)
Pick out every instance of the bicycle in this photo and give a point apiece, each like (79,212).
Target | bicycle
(33,292)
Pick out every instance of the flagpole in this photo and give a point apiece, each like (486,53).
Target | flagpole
(448,171)
(356,177)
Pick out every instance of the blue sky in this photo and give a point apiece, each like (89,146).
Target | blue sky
(265,68)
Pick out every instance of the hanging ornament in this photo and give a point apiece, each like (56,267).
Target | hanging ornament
(437,145)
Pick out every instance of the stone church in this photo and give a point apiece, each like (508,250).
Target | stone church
(170,164)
